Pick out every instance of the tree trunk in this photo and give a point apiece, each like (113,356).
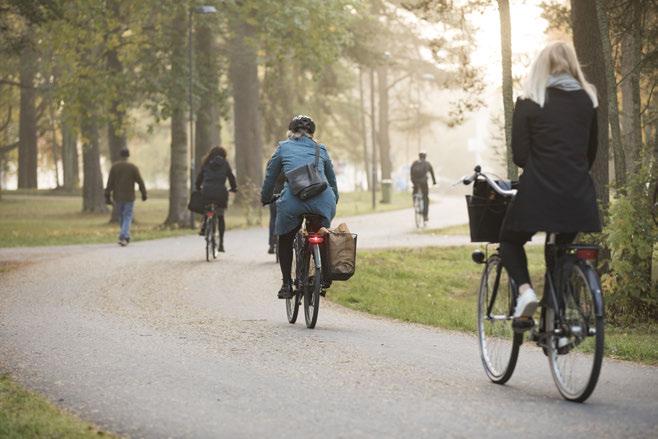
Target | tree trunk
(587,40)
(207,129)
(243,73)
(384,135)
(70,158)
(53,144)
(613,109)
(630,88)
(116,135)
(178,172)
(508,97)
(93,199)
(373,137)
(364,133)
(27,124)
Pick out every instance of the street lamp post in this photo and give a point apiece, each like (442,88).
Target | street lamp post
(374,137)
(190,83)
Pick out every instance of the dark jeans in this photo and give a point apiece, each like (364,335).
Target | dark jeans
(424,189)
(514,257)
(272,239)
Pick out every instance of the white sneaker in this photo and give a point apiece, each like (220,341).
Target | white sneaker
(526,304)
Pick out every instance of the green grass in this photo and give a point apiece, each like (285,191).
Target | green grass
(359,203)
(24,414)
(437,286)
(461,229)
(42,218)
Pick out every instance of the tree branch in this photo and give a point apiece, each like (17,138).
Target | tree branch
(6,123)
(6,148)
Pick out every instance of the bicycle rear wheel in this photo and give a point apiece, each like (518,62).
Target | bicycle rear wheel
(208,239)
(575,354)
(215,237)
(312,287)
(292,304)
(499,343)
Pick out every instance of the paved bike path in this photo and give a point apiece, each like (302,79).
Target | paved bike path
(152,341)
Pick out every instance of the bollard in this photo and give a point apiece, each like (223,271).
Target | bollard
(387,188)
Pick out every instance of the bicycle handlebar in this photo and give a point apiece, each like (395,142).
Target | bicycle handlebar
(479,174)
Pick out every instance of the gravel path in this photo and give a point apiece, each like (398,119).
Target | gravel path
(152,341)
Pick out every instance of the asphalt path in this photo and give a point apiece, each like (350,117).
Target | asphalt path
(152,341)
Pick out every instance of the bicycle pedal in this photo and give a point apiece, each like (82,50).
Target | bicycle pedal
(523,324)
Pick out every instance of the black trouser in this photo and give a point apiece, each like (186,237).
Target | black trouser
(424,189)
(513,254)
(221,225)
(285,249)
(272,239)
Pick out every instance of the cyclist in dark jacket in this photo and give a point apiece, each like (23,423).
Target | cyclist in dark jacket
(554,140)
(419,170)
(211,181)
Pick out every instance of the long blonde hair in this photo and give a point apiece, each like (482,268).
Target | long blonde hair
(558,57)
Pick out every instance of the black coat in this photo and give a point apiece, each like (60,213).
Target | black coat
(556,147)
(211,181)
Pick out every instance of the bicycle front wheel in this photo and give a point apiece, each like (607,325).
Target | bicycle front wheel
(418,212)
(499,343)
(313,287)
(575,351)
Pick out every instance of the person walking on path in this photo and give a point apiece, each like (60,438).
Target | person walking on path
(121,190)
(419,170)
(554,140)
(211,181)
(298,150)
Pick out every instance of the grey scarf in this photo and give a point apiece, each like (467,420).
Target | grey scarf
(564,81)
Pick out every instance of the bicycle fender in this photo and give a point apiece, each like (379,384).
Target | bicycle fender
(316,252)
(595,284)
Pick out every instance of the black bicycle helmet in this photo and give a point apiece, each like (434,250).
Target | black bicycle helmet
(302,122)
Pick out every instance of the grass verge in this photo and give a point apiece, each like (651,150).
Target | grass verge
(437,286)
(360,203)
(42,219)
(24,414)
(461,229)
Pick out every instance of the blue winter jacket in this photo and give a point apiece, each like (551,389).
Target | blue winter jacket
(291,154)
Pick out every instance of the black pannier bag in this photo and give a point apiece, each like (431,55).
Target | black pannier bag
(486,212)
(339,258)
(306,181)
(196,203)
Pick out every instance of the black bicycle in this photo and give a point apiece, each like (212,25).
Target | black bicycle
(308,281)
(419,208)
(571,325)
(212,232)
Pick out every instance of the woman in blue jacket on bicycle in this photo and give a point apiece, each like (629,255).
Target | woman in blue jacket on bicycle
(298,150)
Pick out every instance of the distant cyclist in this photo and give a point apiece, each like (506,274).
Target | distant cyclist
(298,150)
(419,170)
(211,181)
